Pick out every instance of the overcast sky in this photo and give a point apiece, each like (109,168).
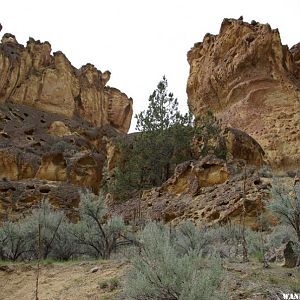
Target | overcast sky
(139,41)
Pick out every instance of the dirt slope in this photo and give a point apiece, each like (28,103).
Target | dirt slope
(61,281)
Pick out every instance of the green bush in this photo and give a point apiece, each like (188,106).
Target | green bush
(285,204)
(98,236)
(227,240)
(189,238)
(282,234)
(62,147)
(49,221)
(162,271)
(47,233)
(111,284)
(13,241)
(208,134)
(149,157)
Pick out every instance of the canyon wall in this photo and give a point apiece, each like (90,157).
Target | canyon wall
(251,82)
(32,76)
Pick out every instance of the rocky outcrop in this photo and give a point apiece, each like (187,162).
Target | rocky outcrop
(251,82)
(55,124)
(18,198)
(283,255)
(32,76)
(44,154)
(206,191)
(240,145)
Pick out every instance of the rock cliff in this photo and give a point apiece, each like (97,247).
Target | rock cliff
(47,155)
(32,76)
(251,82)
(55,122)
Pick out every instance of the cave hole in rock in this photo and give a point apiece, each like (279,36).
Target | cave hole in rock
(45,190)
(5,135)
(206,166)
(43,121)
(250,39)
(29,138)
(3,190)
(30,187)
(29,131)
(86,162)
(17,116)
(257,182)
(25,114)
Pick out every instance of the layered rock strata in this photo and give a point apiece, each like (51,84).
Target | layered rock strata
(251,82)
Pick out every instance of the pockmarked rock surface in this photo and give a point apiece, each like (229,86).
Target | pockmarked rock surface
(251,82)
(45,155)
(55,123)
(206,191)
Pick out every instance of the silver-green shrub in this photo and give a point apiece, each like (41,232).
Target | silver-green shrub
(162,271)
(189,238)
(44,221)
(285,204)
(13,241)
(98,236)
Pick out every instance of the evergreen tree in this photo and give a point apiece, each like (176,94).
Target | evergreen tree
(162,112)
(163,141)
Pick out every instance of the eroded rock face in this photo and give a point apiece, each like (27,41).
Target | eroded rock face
(55,123)
(44,154)
(206,191)
(31,75)
(18,198)
(240,145)
(251,81)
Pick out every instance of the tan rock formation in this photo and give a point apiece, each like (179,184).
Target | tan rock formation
(251,81)
(206,191)
(20,197)
(59,128)
(240,145)
(31,75)
(15,165)
(47,155)
(53,167)
(55,123)
(119,108)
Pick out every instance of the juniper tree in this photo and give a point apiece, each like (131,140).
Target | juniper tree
(163,141)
